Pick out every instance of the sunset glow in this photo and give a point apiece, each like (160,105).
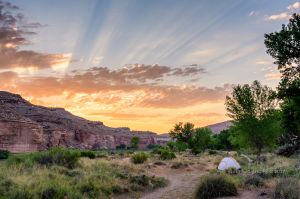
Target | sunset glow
(140,64)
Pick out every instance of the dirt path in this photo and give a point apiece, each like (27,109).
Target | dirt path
(182,182)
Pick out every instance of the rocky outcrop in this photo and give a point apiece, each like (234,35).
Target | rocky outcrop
(27,127)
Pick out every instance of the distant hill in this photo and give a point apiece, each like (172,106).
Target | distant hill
(218,127)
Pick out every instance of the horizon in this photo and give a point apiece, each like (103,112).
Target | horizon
(139,64)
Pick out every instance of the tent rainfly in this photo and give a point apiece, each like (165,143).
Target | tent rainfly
(227,163)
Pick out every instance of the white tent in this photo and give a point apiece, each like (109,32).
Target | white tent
(227,163)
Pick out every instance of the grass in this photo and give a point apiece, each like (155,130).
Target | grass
(24,176)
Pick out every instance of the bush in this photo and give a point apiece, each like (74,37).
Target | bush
(139,158)
(178,146)
(88,154)
(254,180)
(4,154)
(287,188)
(165,153)
(215,186)
(59,156)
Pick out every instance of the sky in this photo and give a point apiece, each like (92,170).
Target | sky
(138,63)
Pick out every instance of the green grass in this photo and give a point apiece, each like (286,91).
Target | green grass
(62,173)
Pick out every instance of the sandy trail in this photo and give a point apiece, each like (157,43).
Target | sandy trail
(182,182)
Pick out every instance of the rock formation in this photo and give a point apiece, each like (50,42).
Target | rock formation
(26,127)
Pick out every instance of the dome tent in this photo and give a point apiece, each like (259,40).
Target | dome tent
(228,162)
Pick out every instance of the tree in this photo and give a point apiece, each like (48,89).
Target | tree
(222,141)
(201,140)
(284,47)
(256,120)
(182,132)
(135,142)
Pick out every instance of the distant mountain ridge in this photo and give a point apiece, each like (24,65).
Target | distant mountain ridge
(218,127)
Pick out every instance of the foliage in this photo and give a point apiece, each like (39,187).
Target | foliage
(182,132)
(186,136)
(178,146)
(201,140)
(135,142)
(92,178)
(256,121)
(59,156)
(164,153)
(215,186)
(139,158)
(4,154)
(55,156)
(287,188)
(88,154)
(222,141)
(284,47)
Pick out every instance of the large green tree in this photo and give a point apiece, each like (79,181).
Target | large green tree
(256,121)
(284,47)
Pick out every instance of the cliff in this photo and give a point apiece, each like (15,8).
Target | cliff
(26,127)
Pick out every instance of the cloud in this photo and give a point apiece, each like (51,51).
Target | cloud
(13,35)
(295,5)
(253,13)
(133,86)
(286,14)
(280,16)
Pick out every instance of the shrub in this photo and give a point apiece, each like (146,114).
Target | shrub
(178,146)
(135,142)
(167,155)
(139,158)
(4,154)
(287,188)
(215,186)
(88,154)
(254,180)
(59,156)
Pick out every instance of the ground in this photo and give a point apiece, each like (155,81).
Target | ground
(183,174)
